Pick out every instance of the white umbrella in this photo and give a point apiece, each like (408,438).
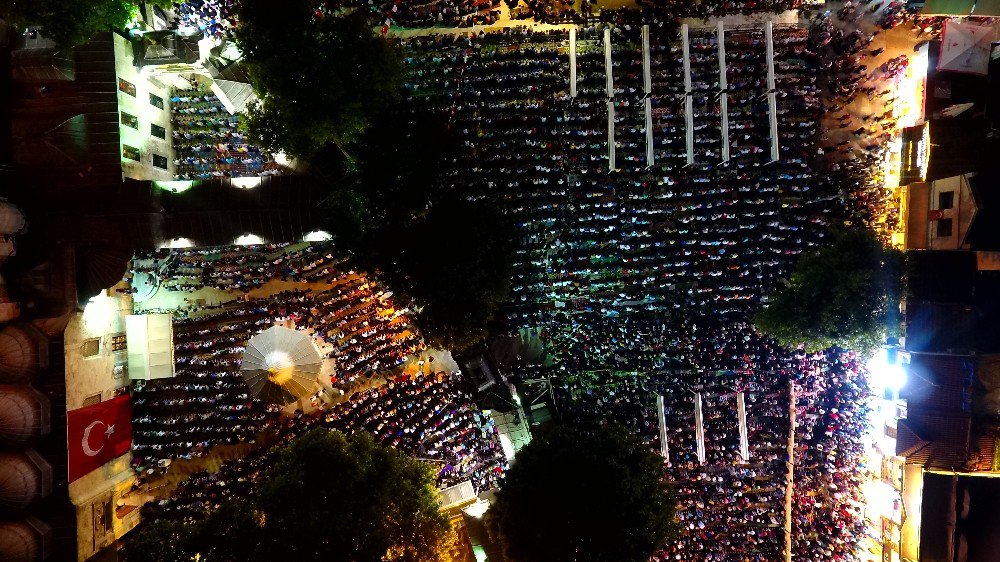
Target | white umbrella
(280,365)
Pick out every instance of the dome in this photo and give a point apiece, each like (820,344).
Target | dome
(18,355)
(23,540)
(24,414)
(11,219)
(24,477)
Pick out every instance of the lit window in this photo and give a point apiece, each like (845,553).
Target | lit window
(130,120)
(131,152)
(126,86)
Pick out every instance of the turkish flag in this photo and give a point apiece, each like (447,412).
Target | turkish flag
(98,434)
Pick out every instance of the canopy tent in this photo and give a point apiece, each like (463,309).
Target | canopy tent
(234,95)
(280,365)
(965,47)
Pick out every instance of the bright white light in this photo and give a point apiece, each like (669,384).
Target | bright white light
(317,236)
(248,240)
(247,182)
(99,312)
(507,446)
(886,374)
(281,159)
(177,243)
(477,509)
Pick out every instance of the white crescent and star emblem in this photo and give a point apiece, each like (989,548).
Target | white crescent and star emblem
(85,442)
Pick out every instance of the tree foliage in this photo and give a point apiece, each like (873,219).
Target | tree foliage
(450,258)
(584,495)
(326,497)
(843,295)
(70,22)
(321,77)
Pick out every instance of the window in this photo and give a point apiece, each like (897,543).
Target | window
(160,161)
(92,399)
(126,86)
(130,120)
(91,347)
(118,342)
(155,100)
(946,200)
(944,228)
(158,131)
(131,152)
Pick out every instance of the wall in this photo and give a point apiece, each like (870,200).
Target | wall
(147,114)
(89,377)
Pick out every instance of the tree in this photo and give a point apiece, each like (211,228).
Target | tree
(448,257)
(321,77)
(71,22)
(326,497)
(584,495)
(843,295)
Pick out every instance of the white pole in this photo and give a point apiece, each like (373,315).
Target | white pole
(646,73)
(769,45)
(699,428)
(611,136)
(607,63)
(689,127)
(649,131)
(724,96)
(572,62)
(664,446)
(772,102)
(741,408)
(772,107)
(688,102)
(685,45)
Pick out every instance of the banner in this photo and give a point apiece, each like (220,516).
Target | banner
(98,434)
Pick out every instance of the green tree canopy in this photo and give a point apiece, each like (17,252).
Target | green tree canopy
(842,295)
(449,257)
(584,495)
(71,22)
(327,498)
(321,77)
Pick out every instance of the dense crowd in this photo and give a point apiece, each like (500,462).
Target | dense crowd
(207,402)
(732,508)
(636,239)
(640,279)
(213,18)
(431,417)
(207,141)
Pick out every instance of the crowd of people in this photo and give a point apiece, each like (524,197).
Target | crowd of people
(208,402)
(640,279)
(731,507)
(636,238)
(207,141)
(431,417)
(212,18)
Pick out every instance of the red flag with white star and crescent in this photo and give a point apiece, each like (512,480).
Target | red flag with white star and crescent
(98,434)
